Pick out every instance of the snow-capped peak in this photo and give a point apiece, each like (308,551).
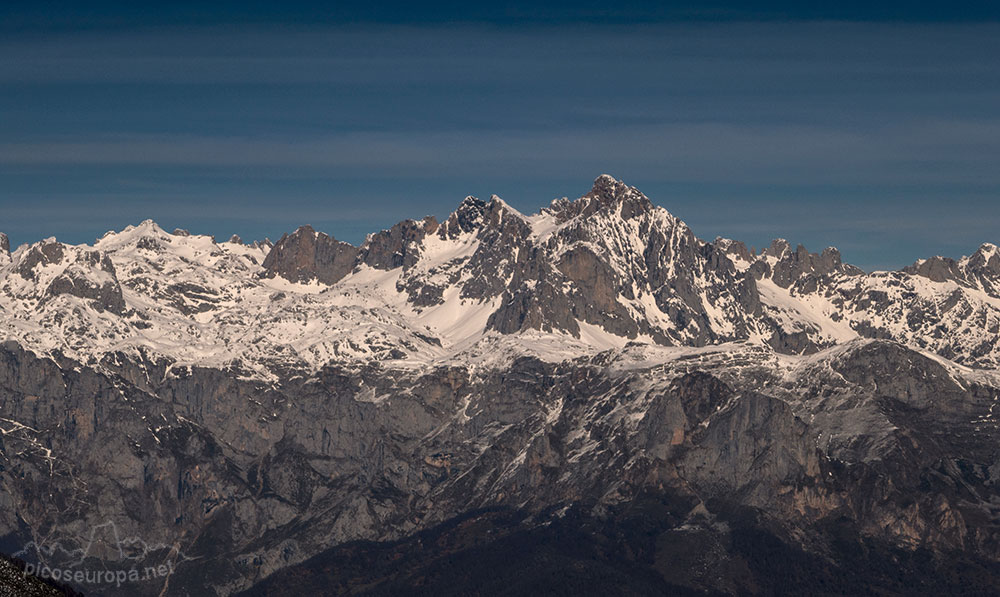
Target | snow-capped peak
(130,234)
(986,253)
(505,207)
(602,270)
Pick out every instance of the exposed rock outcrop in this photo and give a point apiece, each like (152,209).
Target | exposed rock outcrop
(307,255)
(981,270)
(78,279)
(398,246)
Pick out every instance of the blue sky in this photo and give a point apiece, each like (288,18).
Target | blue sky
(874,130)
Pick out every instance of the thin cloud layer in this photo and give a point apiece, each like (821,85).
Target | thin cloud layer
(753,117)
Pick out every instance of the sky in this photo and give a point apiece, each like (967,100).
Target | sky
(873,129)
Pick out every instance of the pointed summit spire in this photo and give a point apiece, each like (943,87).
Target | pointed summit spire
(986,259)
(607,188)
(609,192)
(466,218)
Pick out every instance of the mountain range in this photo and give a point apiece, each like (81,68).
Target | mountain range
(495,403)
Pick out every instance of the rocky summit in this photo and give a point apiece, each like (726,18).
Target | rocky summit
(586,400)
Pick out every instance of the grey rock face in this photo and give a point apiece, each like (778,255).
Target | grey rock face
(88,274)
(250,478)
(466,218)
(502,252)
(501,243)
(735,248)
(4,249)
(610,194)
(534,303)
(45,253)
(938,269)
(986,260)
(792,342)
(75,280)
(981,270)
(599,288)
(726,453)
(307,255)
(778,249)
(793,266)
(397,246)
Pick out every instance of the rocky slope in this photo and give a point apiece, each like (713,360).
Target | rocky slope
(228,410)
